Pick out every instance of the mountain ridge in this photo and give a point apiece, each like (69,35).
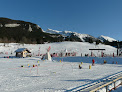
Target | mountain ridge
(81,36)
(27,32)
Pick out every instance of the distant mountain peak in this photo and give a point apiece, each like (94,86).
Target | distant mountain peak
(106,38)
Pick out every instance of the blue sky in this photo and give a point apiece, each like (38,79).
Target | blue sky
(94,17)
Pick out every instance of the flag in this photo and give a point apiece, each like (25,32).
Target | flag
(49,49)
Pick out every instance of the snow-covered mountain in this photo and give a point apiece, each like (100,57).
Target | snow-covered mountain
(106,38)
(83,37)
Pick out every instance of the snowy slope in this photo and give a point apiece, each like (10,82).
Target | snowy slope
(51,76)
(106,38)
(54,76)
(58,47)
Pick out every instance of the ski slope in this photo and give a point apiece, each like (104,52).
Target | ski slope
(59,75)
(58,47)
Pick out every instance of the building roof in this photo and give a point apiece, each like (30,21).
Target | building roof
(22,49)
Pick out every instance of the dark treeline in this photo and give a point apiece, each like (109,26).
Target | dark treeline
(20,35)
(117,44)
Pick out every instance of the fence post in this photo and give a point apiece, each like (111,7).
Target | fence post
(114,86)
(107,88)
(121,81)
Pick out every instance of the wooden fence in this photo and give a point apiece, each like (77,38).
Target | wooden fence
(107,84)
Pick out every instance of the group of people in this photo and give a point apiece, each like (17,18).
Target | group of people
(93,63)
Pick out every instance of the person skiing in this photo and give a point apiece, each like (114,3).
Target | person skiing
(93,62)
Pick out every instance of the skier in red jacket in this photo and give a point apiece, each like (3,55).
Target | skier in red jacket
(93,62)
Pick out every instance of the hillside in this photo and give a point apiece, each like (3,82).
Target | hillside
(23,32)
(17,31)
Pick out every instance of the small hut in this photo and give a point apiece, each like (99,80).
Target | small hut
(22,52)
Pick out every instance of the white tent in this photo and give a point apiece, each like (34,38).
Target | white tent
(66,50)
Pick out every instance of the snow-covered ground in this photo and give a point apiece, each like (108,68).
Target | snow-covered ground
(59,75)
(58,47)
